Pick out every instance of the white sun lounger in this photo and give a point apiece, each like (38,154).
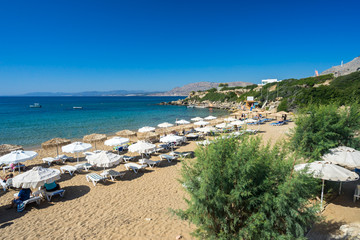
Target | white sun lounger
(127,158)
(67,168)
(94,177)
(149,162)
(49,195)
(6,185)
(36,197)
(83,166)
(112,174)
(357,193)
(50,160)
(169,158)
(134,166)
(15,167)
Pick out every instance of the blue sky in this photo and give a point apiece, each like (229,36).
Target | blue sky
(157,45)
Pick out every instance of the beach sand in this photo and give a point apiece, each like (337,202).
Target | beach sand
(136,207)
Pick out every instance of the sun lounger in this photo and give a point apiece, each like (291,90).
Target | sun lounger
(182,154)
(6,185)
(149,162)
(21,166)
(134,166)
(357,193)
(67,168)
(112,174)
(94,177)
(169,158)
(36,197)
(50,160)
(49,195)
(83,166)
(127,158)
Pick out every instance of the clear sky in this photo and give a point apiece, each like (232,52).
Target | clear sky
(157,45)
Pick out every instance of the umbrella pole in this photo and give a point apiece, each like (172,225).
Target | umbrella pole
(322,194)
(19,167)
(77,157)
(57,151)
(340,188)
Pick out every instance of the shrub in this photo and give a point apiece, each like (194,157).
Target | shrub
(283,106)
(245,190)
(319,128)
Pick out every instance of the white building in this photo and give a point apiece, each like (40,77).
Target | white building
(266,81)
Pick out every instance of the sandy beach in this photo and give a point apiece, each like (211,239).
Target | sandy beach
(135,207)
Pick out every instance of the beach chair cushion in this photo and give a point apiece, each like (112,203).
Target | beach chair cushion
(83,166)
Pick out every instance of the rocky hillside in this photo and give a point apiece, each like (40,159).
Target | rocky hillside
(198,86)
(347,68)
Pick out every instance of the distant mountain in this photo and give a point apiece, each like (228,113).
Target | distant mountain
(92,93)
(198,86)
(347,68)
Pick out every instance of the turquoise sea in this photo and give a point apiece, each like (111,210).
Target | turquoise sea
(29,127)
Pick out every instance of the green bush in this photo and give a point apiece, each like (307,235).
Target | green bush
(283,106)
(319,128)
(245,190)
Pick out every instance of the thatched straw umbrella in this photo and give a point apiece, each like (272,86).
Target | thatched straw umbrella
(147,136)
(93,138)
(7,148)
(55,142)
(126,133)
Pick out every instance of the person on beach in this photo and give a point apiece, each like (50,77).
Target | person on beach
(22,196)
(7,177)
(51,187)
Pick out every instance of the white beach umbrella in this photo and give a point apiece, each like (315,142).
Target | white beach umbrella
(76,147)
(171,138)
(327,171)
(230,119)
(165,125)
(195,119)
(182,121)
(250,120)
(104,159)
(344,156)
(115,141)
(146,129)
(223,125)
(206,129)
(16,157)
(36,177)
(210,118)
(237,123)
(141,147)
(201,123)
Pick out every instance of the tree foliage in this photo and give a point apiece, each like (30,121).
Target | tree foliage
(245,190)
(319,128)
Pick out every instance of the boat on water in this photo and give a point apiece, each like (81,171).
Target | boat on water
(77,107)
(200,106)
(190,106)
(35,105)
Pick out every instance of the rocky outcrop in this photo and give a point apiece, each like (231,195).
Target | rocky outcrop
(347,68)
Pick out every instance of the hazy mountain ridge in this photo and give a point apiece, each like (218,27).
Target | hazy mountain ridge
(198,86)
(92,93)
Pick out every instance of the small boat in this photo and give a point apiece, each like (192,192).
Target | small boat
(35,105)
(77,107)
(200,106)
(190,106)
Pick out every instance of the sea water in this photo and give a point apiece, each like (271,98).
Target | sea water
(29,127)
